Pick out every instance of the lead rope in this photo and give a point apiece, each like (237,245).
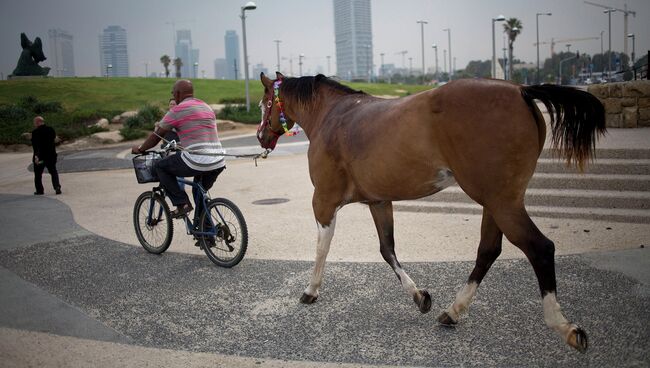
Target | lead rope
(255,156)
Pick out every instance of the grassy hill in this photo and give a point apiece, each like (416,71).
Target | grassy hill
(122,94)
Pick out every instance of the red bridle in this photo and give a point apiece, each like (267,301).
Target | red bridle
(266,119)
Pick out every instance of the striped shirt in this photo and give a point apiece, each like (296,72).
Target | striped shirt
(196,125)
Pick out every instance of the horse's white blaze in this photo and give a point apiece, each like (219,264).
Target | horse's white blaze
(553,316)
(325,234)
(463,299)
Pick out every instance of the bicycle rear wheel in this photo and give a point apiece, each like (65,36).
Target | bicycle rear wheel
(154,231)
(228,247)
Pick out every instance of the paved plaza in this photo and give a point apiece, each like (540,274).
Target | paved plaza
(78,290)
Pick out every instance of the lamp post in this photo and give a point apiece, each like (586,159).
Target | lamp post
(108,67)
(537,26)
(444,61)
(328,65)
(146,69)
(300,57)
(435,49)
(631,35)
(277,49)
(422,23)
(249,6)
(501,18)
(368,50)
(609,57)
(451,70)
(196,69)
(568,47)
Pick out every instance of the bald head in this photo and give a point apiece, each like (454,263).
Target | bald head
(38,121)
(182,89)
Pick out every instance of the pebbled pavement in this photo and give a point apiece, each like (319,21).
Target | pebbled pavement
(183,302)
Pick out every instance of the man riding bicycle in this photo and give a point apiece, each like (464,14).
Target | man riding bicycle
(202,155)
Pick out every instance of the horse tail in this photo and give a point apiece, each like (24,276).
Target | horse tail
(577,119)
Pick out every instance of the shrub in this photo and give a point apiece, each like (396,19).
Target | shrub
(233,100)
(239,114)
(150,113)
(130,134)
(13,113)
(134,122)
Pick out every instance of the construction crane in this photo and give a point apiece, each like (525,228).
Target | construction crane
(173,24)
(625,12)
(554,41)
(402,53)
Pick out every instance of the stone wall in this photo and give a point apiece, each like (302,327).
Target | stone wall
(627,104)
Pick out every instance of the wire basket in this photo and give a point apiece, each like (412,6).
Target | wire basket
(144,167)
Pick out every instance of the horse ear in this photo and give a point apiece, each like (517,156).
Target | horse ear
(265,80)
(279,75)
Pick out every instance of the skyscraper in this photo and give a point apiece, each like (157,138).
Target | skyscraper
(183,51)
(113,52)
(220,69)
(61,55)
(232,55)
(353,37)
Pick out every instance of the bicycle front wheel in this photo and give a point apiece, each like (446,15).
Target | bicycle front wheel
(153,222)
(228,246)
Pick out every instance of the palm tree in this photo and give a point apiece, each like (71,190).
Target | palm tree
(178,63)
(512,27)
(166,60)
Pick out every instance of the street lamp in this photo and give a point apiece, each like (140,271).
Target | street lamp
(249,6)
(368,50)
(537,26)
(609,64)
(422,23)
(631,35)
(196,69)
(108,67)
(435,48)
(300,57)
(277,49)
(451,70)
(500,18)
(382,66)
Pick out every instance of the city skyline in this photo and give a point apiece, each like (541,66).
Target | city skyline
(307,27)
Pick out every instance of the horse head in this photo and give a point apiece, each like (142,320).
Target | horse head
(274,122)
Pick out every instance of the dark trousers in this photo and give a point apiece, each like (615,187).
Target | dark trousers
(172,166)
(50,164)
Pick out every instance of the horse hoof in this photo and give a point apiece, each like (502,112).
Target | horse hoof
(445,319)
(423,300)
(308,299)
(578,339)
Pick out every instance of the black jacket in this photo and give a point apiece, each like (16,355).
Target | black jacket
(43,142)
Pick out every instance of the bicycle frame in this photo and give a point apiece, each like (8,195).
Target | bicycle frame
(190,226)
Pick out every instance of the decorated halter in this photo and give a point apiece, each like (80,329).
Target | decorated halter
(266,119)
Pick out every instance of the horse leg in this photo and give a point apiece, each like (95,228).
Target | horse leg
(325,234)
(382,214)
(522,232)
(489,249)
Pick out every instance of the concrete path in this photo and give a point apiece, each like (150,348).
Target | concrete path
(73,277)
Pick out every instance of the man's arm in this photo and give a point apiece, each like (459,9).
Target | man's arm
(151,141)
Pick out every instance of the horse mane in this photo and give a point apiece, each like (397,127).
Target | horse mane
(304,89)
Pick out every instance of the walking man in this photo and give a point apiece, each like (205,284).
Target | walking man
(44,155)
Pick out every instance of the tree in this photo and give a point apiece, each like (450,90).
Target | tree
(512,27)
(178,63)
(166,60)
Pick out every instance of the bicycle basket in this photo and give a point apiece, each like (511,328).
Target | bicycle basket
(143,166)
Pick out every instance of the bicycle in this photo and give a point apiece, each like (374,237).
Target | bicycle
(221,231)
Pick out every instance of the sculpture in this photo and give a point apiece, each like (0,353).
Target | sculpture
(31,55)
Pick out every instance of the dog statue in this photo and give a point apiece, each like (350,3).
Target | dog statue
(31,55)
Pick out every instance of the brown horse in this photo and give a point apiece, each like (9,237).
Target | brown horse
(485,134)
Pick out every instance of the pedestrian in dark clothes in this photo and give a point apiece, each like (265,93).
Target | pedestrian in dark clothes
(44,155)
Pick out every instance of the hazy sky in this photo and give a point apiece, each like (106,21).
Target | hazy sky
(307,27)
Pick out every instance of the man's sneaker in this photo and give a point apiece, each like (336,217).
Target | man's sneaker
(58,191)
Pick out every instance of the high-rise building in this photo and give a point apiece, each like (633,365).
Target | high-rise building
(183,50)
(232,55)
(220,69)
(61,55)
(113,58)
(353,37)
(259,68)
(195,63)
